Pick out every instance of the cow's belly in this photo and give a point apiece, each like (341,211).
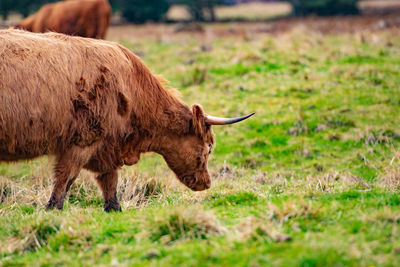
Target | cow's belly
(13,151)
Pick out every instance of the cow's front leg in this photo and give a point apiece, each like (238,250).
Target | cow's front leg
(66,170)
(108,183)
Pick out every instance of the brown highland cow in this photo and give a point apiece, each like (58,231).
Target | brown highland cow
(94,105)
(87,18)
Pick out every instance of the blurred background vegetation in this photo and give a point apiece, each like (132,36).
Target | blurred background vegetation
(325,7)
(141,11)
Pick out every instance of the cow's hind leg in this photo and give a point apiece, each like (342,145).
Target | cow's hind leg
(65,172)
(108,183)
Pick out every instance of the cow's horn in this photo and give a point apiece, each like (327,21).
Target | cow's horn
(222,121)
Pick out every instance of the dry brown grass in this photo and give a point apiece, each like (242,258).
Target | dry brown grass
(385,215)
(258,229)
(134,190)
(193,223)
(389,178)
(291,209)
(138,190)
(334,181)
(36,233)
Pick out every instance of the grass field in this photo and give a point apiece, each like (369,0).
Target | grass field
(312,179)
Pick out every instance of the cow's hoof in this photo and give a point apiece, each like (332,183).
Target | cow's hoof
(49,206)
(109,207)
(54,204)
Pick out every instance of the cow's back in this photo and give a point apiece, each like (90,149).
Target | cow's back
(57,91)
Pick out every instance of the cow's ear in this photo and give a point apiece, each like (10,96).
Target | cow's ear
(199,123)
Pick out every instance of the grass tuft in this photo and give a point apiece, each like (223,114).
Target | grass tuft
(33,236)
(187,224)
(258,230)
(299,208)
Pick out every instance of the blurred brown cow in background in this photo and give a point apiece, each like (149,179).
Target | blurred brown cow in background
(87,18)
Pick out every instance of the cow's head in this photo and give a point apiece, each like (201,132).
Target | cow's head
(187,155)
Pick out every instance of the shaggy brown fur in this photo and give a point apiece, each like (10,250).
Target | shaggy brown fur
(94,105)
(87,18)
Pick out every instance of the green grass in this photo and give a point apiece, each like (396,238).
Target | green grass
(311,180)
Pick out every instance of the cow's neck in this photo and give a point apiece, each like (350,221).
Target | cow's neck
(165,117)
(172,121)
(156,112)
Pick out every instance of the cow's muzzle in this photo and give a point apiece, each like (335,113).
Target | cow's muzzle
(195,184)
